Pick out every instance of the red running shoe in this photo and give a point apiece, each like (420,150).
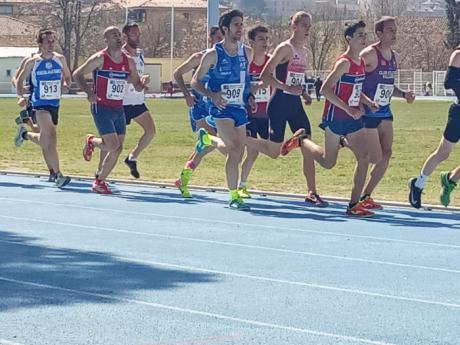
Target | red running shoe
(315,199)
(100,187)
(369,204)
(293,142)
(359,211)
(88,148)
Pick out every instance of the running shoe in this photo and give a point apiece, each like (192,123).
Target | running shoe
(203,140)
(369,204)
(19,138)
(343,141)
(447,186)
(52,177)
(182,182)
(415,194)
(316,200)
(243,193)
(293,142)
(88,148)
(132,165)
(97,173)
(61,180)
(359,211)
(238,205)
(23,117)
(100,187)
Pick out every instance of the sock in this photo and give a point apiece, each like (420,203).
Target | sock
(365,196)
(52,171)
(421,181)
(131,157)
(234,194)
(190,165)
(24,135)
(243,184)
(352,204)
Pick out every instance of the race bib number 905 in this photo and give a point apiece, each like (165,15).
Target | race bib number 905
(50,89)
(233,93)
(383,94)
(355,96)
(116,89)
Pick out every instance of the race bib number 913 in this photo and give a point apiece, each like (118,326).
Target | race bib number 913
(50,89)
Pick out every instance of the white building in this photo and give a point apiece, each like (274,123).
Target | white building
(10,59)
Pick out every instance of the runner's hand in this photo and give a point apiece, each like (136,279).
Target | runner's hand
(252,104)
(190,100)
(355,113)
(410,97)
(92,98)
(218,100)
(374,107)
(306,98)
(22,102)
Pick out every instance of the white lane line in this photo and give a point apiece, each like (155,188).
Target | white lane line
(233,244)
(8,342)
(259,278)
(202,313)
(239,226)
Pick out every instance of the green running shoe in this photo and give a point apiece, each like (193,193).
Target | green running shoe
(182,182)
(447,187)
(243,193)
(203,140)
(238,205)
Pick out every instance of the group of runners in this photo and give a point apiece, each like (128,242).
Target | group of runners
(242,98)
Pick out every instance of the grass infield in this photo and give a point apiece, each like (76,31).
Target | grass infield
(418,129)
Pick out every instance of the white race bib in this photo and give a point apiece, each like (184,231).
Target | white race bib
(294,79)
(116,89)
(355,97)
(262,95)
(50,89)
(383,94)
(233,93)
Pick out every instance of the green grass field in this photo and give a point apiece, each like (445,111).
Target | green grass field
(418,129)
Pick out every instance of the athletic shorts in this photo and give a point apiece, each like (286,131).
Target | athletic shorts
(109,120)
(374,122)
(53,111)
(199,112)
(286,109)
(343,127)
(133,111)
(238,115)
(31,112)
(258,126)
(452,131)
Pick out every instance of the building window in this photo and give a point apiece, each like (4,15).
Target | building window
(6,10)
(186,15)
(8,73)
(136,16)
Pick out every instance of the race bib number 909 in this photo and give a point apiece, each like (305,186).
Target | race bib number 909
(233,93)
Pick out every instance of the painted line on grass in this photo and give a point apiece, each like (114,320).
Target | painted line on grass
(239,225)
(201,313)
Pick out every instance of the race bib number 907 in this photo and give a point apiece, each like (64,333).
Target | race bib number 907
(355,96)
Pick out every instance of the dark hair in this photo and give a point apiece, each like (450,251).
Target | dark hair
(127,27)
(297,17)
(44,32)
(226,19)
(213,30)
(352,27)
(379,25)
(252,33)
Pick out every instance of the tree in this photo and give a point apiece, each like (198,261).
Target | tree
(379,8)
(453,17)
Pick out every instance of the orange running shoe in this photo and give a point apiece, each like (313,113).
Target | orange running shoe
(359,211)
(88,148)
(369,204)
(293,142)
(100,187)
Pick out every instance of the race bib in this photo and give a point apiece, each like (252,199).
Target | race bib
(262,95)
(294,79)
(116,89)
(383,94)
(50,89)
(233,93)
(355,96)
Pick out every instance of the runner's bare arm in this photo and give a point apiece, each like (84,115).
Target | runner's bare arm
(188,65)
(94,62)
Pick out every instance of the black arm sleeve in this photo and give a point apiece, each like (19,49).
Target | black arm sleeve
(452,80)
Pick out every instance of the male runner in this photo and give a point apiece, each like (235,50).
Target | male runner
(228,89)
(342,116)
(112,69)
(449,139)
(49,76)
(381,67)
(134,101)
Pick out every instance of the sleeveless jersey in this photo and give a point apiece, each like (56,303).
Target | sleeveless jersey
(231,76)
(110,82)
(133,97)
(348,88)
(46,81)
(293,72)
(379,84)
(262,95)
